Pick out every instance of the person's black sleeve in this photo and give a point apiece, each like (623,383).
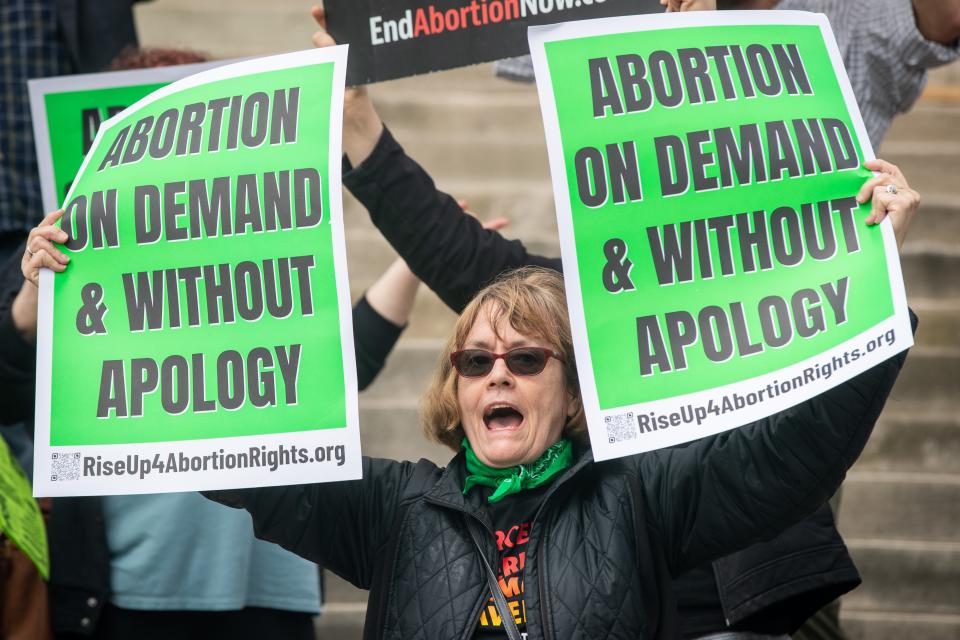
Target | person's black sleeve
(373,339)
(18,358)
(727,491)
(340,525)
(448,250)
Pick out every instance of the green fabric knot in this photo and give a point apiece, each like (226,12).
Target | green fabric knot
(555,459)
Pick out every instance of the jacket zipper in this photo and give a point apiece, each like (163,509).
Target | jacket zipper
(471,627)
(542,585)
(541,573)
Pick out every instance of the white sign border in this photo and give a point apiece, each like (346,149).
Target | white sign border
(538,37)
(39,89)
(349,436)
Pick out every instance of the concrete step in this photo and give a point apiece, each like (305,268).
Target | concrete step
(918,577)
(939,321)
(339,591)
(407,372)
(909,437)
(344,609)
(392,430)
(938,220)
(341,623)
(478,111)
(897,625)
(472,79)
(431,318)
(930,375)
(901,506)
(242,28)
(927,122)
(944,78)
(368,256)
(930,271)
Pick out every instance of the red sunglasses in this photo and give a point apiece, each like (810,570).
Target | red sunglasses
(523,361)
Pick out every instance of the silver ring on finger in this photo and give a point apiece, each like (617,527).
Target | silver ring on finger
(30,253)
(891,189)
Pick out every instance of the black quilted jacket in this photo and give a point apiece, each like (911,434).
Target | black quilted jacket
(606,540)
(769,588)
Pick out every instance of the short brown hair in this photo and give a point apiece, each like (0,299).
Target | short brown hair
(150,57)
(532,300)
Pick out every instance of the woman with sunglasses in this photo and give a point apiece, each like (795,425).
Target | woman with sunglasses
(522,532)
(762,592)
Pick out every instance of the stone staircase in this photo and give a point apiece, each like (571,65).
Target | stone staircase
(482,140)
(900,512)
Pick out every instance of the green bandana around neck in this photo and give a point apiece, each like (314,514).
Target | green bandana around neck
(555,459)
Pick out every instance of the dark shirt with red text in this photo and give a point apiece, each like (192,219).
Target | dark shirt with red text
(512,520)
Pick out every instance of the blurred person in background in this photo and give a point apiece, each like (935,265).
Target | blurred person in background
(38,39)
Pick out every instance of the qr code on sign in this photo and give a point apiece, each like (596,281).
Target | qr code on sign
(621,427)
(64,466)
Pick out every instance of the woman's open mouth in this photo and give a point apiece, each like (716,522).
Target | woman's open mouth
(502,416)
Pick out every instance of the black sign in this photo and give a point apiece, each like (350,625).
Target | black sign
(396,38)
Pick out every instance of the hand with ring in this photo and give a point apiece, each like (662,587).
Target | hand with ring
(892,196)
(41,249)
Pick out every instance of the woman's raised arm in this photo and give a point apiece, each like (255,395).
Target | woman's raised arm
(340,525)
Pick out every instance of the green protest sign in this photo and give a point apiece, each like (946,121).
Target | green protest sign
(67,112)
(718,267)
(201,335)
(20,517)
